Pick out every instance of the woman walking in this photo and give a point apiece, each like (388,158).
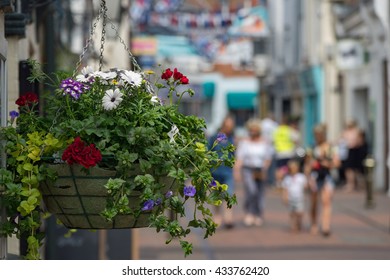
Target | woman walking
(224,174)
(252,161)
(319,164)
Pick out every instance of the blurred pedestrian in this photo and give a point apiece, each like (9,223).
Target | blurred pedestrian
(352,138)
(285,143)
(319,163)
(294,185)
(268,127)
(252,161)
(224,174)
(363,153)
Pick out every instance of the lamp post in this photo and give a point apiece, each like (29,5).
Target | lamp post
(369,164)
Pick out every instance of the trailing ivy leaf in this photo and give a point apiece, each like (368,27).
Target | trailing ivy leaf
(193,223)
(28,166)
(187,247)
(25,208)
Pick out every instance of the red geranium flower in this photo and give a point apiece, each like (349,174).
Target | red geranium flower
(184,80)
(27,99)
(32,97)
(167,74)
(79,152)
(177,75)
(21,101)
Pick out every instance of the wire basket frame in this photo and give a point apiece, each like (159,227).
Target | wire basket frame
(77,199)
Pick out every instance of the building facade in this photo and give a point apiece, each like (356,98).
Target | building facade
(363,44)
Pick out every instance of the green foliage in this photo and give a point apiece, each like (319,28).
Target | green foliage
(136,139)
(22,196)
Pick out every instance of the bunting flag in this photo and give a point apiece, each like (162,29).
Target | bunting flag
(139,11)
(184,20)
(165,6)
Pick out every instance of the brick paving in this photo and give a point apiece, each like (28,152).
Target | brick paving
(357,233)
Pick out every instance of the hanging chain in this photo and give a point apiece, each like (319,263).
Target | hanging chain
(55,119)
(131,56)
(86,47)
(103,39)
(102,14)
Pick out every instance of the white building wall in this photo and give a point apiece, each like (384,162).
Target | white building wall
(378,53)
(382,9)
(312,31)
(331,103)
(291,34)
(277,20)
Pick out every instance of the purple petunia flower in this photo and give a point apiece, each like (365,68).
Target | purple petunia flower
(148,205)
(73,88)
(213,183)
(13,114)
(169,194)
(158,202)
(221,137)
(189,191)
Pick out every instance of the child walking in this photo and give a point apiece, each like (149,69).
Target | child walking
(294,185)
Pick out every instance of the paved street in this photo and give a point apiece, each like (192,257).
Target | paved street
(357,233)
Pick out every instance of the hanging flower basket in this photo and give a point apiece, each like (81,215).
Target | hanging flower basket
(78,198)
(159,158)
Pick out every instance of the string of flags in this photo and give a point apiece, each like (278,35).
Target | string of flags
(162,14)
(188,20)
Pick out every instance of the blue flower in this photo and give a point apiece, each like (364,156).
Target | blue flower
(221,137)
(189,191)
(213,183)
(158,202)
(148,205)
(13,114)
(169,194)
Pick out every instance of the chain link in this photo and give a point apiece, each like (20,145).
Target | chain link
(55,119)
(103,39)
(131,56)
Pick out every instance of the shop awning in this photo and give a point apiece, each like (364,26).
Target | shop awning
(241,100)
(208,89)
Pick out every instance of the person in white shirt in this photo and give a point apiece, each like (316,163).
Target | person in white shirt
(268,127)
(294,185)
(252,161)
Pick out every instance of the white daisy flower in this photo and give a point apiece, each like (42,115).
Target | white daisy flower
(155,100)
(82,78)
(132,77)
(112,99)
(106,75)
(86,74)
(87,70)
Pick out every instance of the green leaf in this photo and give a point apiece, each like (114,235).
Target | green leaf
(193,223)
(28,166)
(144,165)
(187,247)
(32,200)
(21,158)
(25,208)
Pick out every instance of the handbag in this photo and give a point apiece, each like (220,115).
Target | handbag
(257,174)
